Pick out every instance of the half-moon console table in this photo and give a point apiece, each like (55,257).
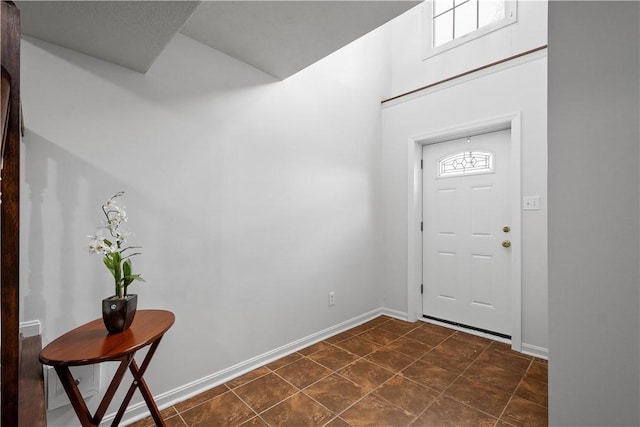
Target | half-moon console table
(91,343)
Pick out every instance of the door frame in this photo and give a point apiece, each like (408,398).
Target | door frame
(510,121)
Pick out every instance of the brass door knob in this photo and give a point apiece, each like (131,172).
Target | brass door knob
(506,229)
(506,243)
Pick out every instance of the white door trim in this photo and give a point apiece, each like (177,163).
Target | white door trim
(414,209)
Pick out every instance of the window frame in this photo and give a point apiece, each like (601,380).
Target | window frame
(428,50)
(444,174)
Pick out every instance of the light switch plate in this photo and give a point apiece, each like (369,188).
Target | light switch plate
(531,203)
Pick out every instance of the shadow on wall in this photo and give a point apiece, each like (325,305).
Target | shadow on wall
(62,283)
(192,68)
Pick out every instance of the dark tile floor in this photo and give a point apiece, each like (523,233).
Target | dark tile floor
(385,372)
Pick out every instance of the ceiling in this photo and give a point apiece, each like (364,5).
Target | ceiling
(277,37)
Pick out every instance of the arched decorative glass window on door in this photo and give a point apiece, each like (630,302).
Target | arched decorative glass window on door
(466,163)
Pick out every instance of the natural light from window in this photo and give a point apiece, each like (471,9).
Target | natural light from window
(456,18)
(453,22)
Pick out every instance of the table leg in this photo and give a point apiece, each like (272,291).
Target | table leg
(78,403)
(113,387)
(70,387)
(141,384)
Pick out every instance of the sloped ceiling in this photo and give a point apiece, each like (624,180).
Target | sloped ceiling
(277,37)
(127,33)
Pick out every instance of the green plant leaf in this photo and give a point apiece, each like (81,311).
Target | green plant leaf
(109,264)
(126,268)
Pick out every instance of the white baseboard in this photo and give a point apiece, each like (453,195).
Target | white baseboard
(167,399)
(400,315)
(30,328)
(534,350)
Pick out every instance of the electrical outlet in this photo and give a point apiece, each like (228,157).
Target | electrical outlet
(332,298)
(87,378)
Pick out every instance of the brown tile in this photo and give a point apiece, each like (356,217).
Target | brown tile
(479,395)
(472,339)
(379,336)
(298,410)
(505,358)
(337,422)
(365,374)
(358,346)
(335,392)
(524,413)
(249,376)
(333,357)
(533,390)
(437,329)
(448,358)
(538,372)
(399,327)
(374,411)
(380,320)
(223,410)
(369,325)
(493,375)
(465,345)
(201,398)
(411,348)
(389,359)
(384,343)
(277,364)
(166,414)
(255,422)
(265,392)
(340,337)
(313,348)
(406,394)
(429,374)
(539,360)
(446,412)
(174,422)
(429,335)
(303,372)
(145,422)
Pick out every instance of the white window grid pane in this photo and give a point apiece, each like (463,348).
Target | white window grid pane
(465,18)
(441,6)
(443,29)
(490,11)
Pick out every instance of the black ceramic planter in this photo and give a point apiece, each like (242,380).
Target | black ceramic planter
(118,313)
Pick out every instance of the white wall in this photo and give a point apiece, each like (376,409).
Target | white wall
(410,71)
(519,86)
(252,198)
(594,108)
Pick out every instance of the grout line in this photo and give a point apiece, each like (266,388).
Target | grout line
(371,326)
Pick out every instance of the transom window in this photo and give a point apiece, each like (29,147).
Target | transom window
(456,18)
(453,22)
(466,163)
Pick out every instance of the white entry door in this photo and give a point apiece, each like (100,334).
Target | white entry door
(466,245)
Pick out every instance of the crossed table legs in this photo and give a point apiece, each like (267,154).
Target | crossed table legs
(128,361)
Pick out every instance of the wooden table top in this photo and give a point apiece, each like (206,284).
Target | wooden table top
(91,343)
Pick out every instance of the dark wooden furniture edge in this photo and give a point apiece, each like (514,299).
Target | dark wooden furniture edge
(32,410)
(21,379)
(95,330)
(9,221)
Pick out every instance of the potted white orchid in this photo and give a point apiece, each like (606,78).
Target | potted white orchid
(118,310)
